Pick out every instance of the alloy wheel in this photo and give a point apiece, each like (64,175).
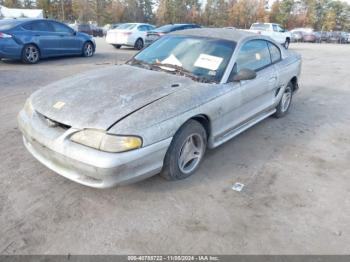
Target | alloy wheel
(89,50)
(286,99)
(191,153)
(32,54)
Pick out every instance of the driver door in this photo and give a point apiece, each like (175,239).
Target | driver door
(256,94)
(69,43)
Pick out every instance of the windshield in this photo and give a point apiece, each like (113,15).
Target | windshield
(206,58)
(9,24)
(126,26)
(260,27)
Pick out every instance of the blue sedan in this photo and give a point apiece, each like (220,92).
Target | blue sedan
(30,40)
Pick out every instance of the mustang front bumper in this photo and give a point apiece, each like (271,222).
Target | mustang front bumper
(88,166)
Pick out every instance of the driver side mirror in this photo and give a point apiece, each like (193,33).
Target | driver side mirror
(244,74)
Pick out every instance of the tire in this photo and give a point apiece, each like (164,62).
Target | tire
(88,49)
(190,141)
(30,54)
(117,46)
(286,44)
(138,44)
(286,100)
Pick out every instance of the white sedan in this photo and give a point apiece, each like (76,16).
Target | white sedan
(129,34)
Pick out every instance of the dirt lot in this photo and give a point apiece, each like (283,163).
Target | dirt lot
(296,172)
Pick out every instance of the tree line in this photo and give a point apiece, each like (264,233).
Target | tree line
(326,15)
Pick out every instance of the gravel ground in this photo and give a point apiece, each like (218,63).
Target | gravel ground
(296,198)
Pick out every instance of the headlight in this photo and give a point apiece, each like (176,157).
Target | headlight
(28,108)
(106,142)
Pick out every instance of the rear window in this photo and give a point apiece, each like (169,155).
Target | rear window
(8,24)
(126,26)
(260,27)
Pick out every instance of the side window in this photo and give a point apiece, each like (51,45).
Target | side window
(280,29)
(253,55)
(61,28)
(42,26)
(275,28)
(142,28)
(275,52)
(28,26)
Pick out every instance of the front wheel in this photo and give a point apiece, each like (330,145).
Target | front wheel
(117,46)
(139,44)
(30,54)
(88,49)
(286,44)
(185,152)
(286,100)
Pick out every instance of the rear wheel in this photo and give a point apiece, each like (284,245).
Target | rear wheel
(185,152)
(88,49)
(30,54)
(139,44)
(286,100)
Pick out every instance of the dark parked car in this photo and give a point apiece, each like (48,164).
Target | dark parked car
(33,39)
(90,30)
(325,37)
(165,29)
(338,37)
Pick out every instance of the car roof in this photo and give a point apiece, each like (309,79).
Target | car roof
(135,23)
(220,33)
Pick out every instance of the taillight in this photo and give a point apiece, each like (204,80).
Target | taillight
(127,33)
(3,35)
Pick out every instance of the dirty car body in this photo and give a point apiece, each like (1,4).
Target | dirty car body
(145,113)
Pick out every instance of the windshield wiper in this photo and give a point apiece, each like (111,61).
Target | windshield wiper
(134,61)
(177,69)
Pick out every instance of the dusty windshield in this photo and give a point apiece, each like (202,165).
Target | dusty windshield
(202,57)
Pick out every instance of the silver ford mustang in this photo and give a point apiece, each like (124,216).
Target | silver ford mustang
(158,113)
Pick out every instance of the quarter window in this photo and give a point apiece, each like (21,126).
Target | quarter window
(253,55)
(275,52)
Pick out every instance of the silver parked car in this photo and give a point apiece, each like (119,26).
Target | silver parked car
(159,112)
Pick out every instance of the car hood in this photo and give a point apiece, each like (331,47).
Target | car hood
(100,98)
